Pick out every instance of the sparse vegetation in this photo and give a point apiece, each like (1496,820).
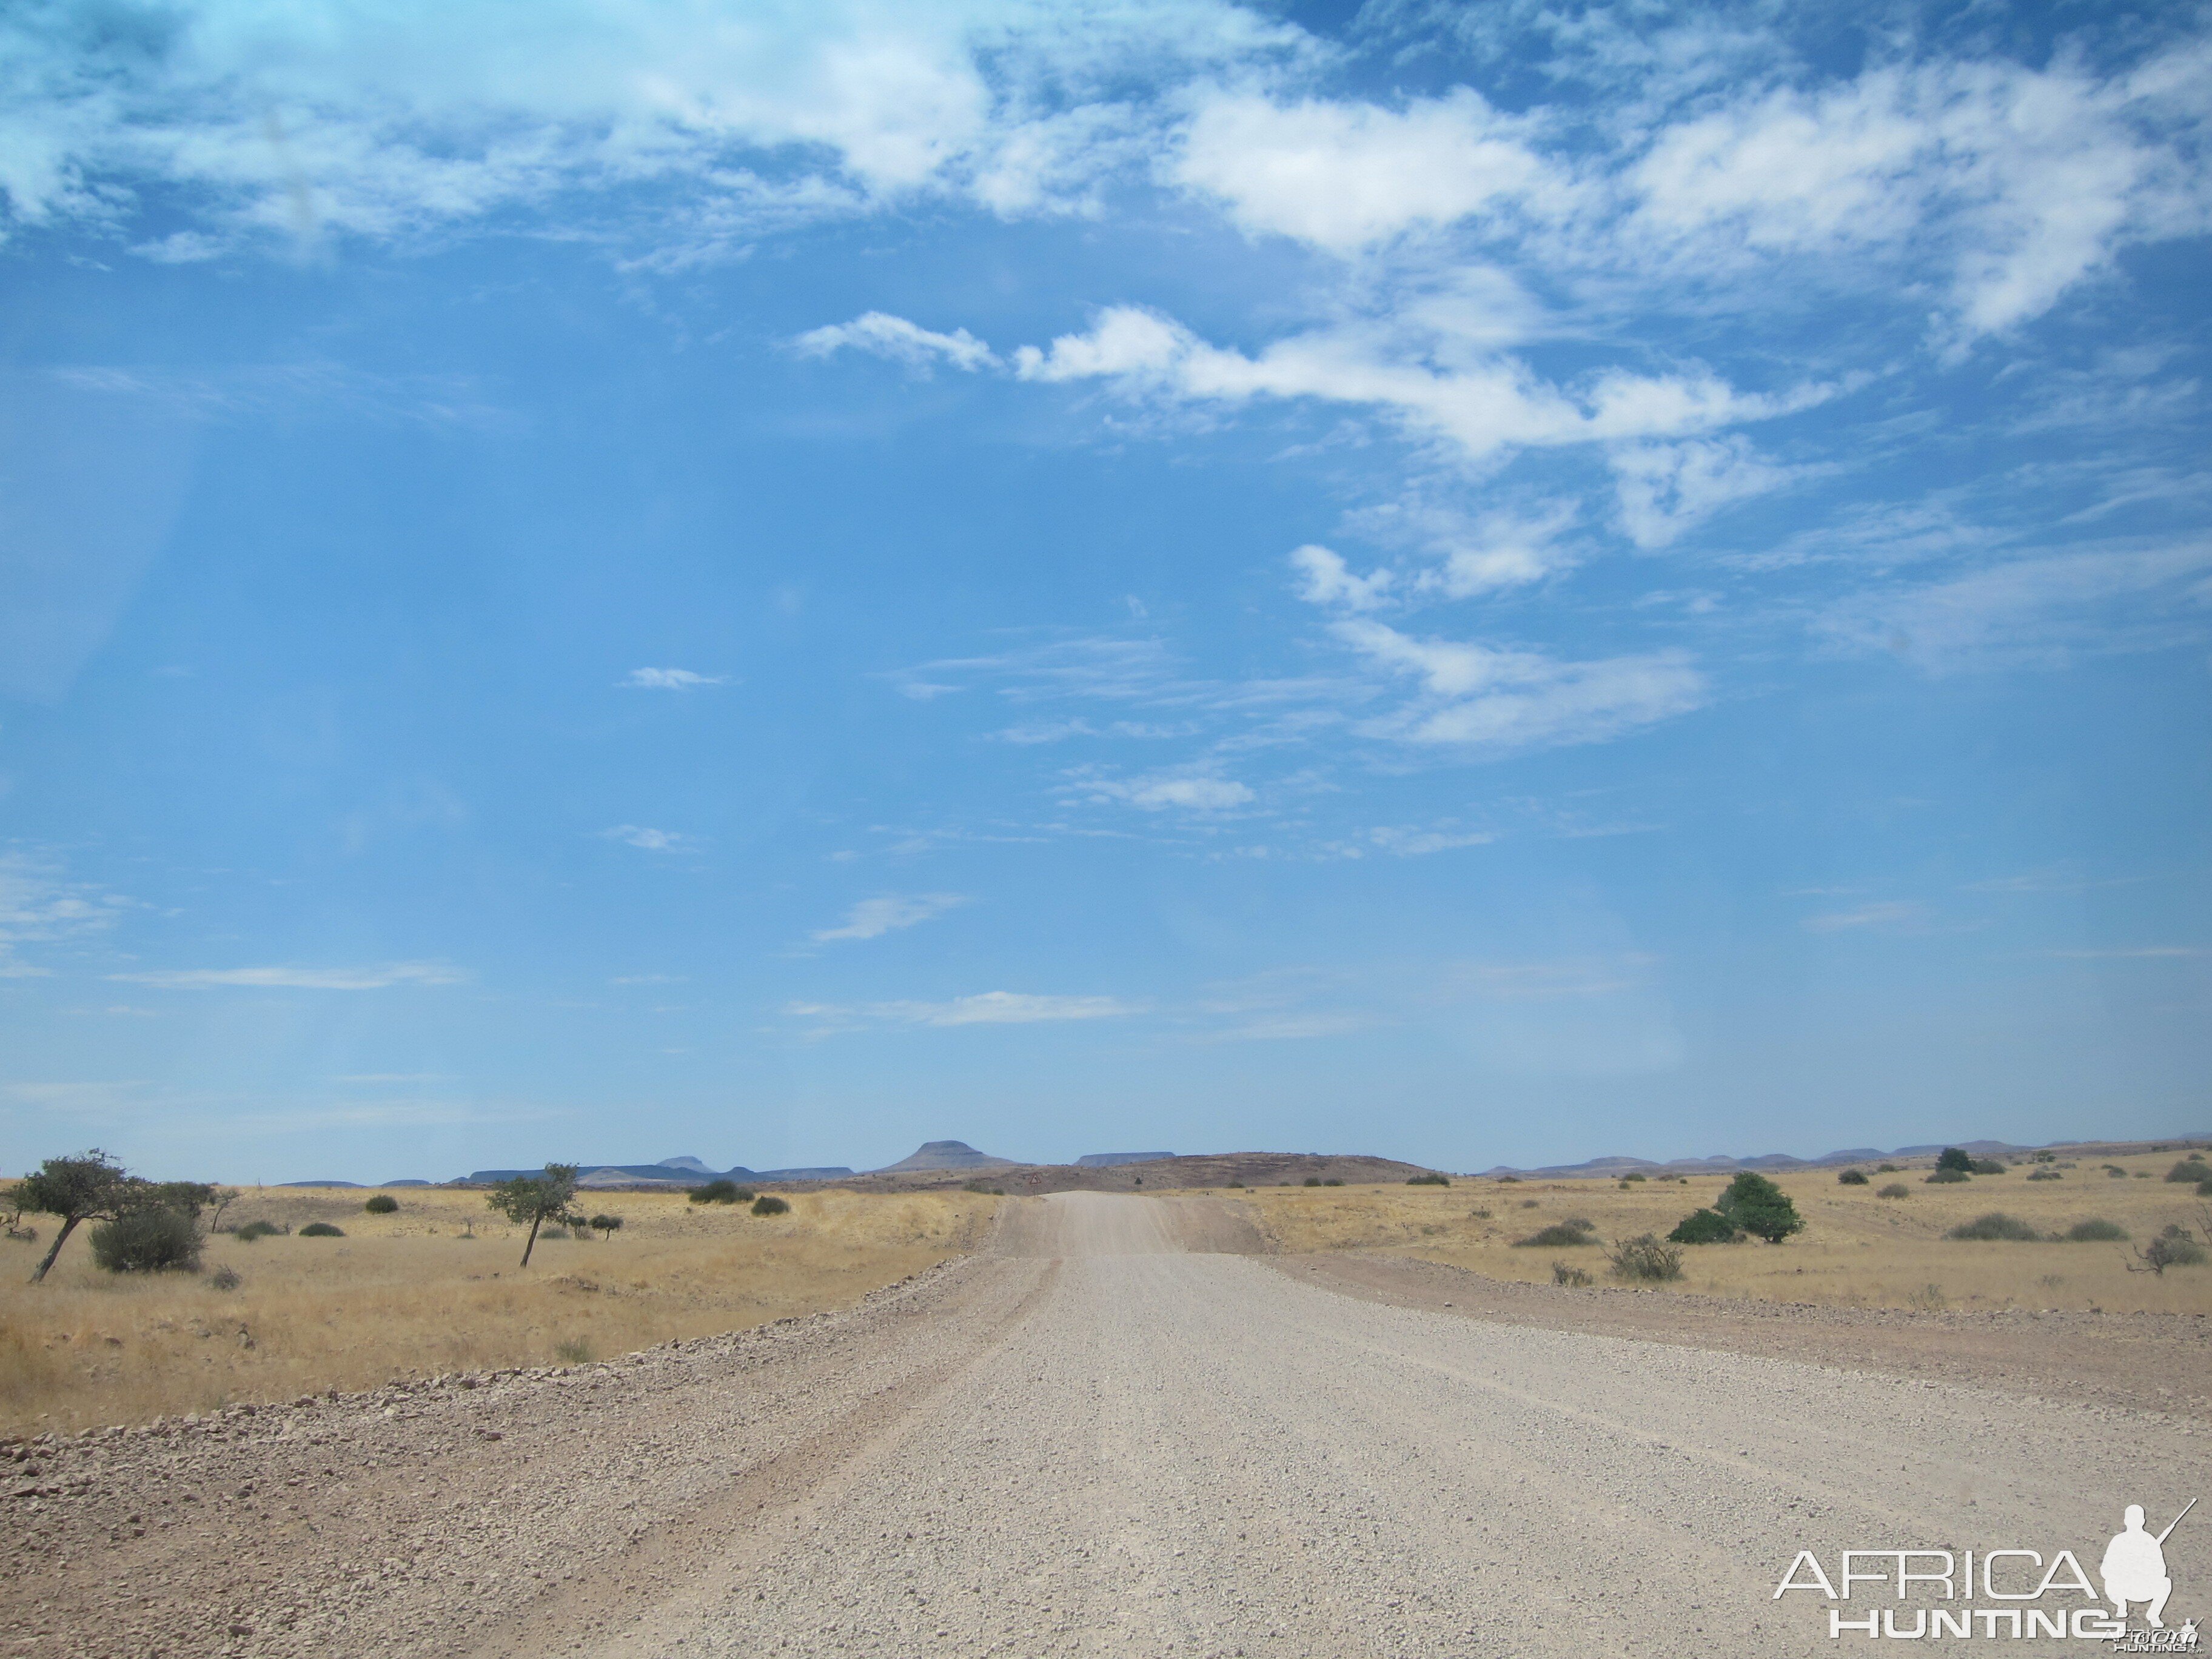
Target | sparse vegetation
(1948,1177)
(1333,1181)
(572,1351)
(1895,1189)
(2044,1174)
(1566,1273)
(722,1192)
(2095,1230)
(1646,1258)
(769,1204)
(253,1230)
(1633,1174)
(224,1279)
(2116,1172)
(1851,1178)
(382,1204)
(320,1229)
(156,1239)
(2191,1168)
(1431,1179)
(1997,1224)
(1986,1166)
(1313,1181)
(1885,1169)
(2174,1248)
(1559,1235)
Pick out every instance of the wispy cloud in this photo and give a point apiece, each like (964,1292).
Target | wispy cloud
(1188,789)
(985,1008)
(880,335)
(871,917)
(646,840)
(39,904)
(378,978)
(1883,915)
(670,680)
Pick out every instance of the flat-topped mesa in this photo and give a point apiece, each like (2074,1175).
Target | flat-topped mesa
(946,1154)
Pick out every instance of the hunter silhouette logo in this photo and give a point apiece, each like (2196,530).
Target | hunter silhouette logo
(2020,1593)
(2134,1567)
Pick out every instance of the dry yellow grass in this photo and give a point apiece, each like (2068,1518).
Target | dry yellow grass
(414,1294)
(1857,1249)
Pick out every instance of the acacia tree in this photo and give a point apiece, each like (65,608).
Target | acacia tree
(1758,1206)
(92,1186)
(535,1199)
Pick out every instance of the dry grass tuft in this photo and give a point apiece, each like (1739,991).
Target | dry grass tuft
(1857,1249)
(412,1294)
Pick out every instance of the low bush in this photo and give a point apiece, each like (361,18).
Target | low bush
(147,1241)
(722,1192)
(1955,1158)
(1895,1189)
(1431,1179)
(1985,1166)
(2116,1172)
(1948,1177)
(1633,1174)
(1532,1203)
(382,1204)
(2174,1248)
(225,1279)
(1705,1227)
(575,1351)
(253,1230)
(1560,1234)
(769,1204)
(1479,1214)
(1565,1273)
(1851,1178)
(2191,1168)
(1885,1169)
(1313,1181)
(1645,1258)
(2096,1230)
(551,1232)
(604,1223)
(1332,1182)
(1997,1224)
(321,1230)
(2044,1174)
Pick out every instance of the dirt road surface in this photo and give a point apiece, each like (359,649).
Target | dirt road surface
(1117,1433)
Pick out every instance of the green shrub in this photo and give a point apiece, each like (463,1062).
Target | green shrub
(1313,1181)
(1955,1158)
(224,1279)
(545,1233)
(1885,1169)
(382,1204)
(1644,1258)
(1997,1224)
(1565,1273)
(1948,1177)
(1558,1235)
(2190,1169)
(253,1230)
(2116,1172)
(2044,1174)
(722,1192)
(1705,1227)
(604,1223)
(1758,1206)
(1634,1175)
(769,1204)
(147,1242)
(2096,1230)
(2174,1248)
(1851,1178)
(320,1229)
(1985,1166)
(574,1350)
(1332,1181)
(1895,1189)
(1431,1179)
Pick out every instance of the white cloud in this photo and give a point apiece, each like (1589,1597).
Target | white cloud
(1667,488)
(883,335)
(670,680)
(1345,176)
(986,1008)
(300,979)
(1324,579)
(1499,700)
(650,841)
(1482,404)
(39,904)
(874,917)
(1185,789)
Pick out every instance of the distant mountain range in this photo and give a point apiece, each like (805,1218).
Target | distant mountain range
(1722,1165)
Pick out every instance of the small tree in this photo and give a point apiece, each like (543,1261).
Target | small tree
(1955,1158)
(1705,1227)
(607,1225)
(1758,1206)
(536,1199)
(89,1188)
(219,1200)
(148,1239)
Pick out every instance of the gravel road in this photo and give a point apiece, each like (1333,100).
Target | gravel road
(1110,1435)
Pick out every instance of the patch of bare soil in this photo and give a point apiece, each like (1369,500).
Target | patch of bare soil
(2147,1362)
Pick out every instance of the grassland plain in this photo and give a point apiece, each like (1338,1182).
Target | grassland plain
(1858,1249)
(433,1288)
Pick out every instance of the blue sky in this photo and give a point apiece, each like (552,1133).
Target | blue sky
(1478,584)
